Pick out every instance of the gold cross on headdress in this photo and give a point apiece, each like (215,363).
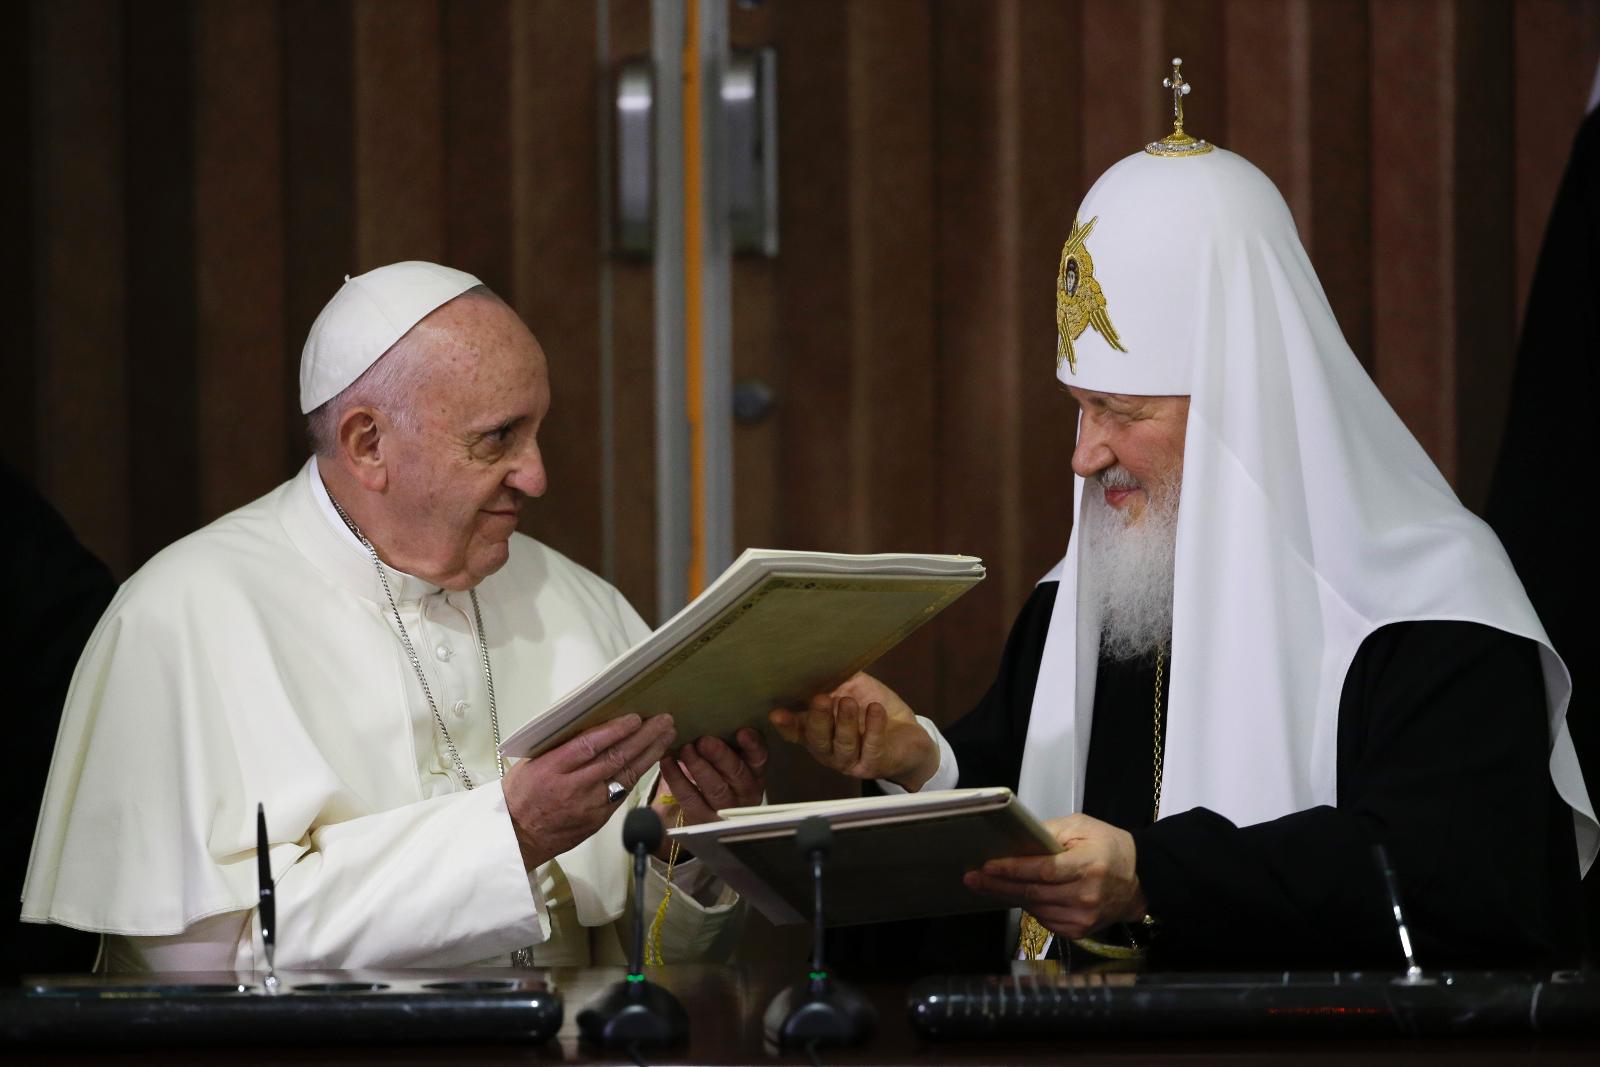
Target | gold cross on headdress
(1180,89)
(1177,143)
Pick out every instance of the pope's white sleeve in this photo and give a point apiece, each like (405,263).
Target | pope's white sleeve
(438,883)
(948,773)
(215,944)
(703,918)
(691,877)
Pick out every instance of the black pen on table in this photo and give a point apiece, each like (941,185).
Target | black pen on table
(268,913)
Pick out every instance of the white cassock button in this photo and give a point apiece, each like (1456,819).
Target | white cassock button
(443,652)
(459,709)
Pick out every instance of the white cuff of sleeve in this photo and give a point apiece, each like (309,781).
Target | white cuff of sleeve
(693,880)
(690,876)
(948,772)
(538,878)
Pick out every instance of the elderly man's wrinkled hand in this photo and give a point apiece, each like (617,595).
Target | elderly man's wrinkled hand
(559,798)
(1073,893)
(707,775)
(862,729)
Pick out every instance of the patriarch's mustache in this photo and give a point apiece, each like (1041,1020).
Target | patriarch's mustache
(1118,478)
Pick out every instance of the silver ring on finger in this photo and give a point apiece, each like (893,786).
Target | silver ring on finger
(615,792)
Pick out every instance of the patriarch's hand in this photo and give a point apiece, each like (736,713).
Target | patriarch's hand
(1073,893)
(862,729)
(558,799)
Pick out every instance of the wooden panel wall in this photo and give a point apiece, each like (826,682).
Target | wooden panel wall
(191,179)
(239,247)
(79,441)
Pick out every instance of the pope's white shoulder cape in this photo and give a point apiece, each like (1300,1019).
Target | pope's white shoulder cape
(254,661)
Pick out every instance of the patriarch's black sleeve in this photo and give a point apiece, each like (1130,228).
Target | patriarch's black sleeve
(1443,757)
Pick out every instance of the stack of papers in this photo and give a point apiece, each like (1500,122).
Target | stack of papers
(774,629)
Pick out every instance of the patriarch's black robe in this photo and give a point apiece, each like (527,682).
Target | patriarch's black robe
(1553,554)
(1442,755)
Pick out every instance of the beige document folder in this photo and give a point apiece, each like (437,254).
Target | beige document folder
(895,857)
(775,628)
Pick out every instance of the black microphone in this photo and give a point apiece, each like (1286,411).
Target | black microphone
(818,1010)
(641,835)
(813,839)
(636,1011)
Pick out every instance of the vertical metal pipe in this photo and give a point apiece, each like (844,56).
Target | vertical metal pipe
(715,454)
(693,328)
(694,232)
(607,335)
(672,428)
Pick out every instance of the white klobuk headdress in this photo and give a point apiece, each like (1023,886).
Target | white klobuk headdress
(1309,516)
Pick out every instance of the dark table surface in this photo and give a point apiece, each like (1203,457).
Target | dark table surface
(725,1007)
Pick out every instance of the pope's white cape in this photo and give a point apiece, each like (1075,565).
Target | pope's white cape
(1310,515)
(254,661)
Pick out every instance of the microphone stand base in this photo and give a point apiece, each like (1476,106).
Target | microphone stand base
(634,1013)
(819,1013)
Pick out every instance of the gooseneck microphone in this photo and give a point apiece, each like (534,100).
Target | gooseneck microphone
(636,1012)
(818,1010)
(813,839)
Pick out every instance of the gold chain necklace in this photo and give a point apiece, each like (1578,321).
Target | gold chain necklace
(1155,810)
(1033,937)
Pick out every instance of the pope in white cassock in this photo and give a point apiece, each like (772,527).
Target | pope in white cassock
(347,650)
(1276,639)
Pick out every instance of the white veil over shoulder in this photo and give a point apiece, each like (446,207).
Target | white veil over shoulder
(1310,515)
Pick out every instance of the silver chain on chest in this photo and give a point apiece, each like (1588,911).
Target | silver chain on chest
(416,662)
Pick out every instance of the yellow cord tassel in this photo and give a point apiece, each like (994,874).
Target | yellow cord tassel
(652,945)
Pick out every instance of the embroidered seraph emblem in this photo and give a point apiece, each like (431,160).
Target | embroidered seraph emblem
(1079,300)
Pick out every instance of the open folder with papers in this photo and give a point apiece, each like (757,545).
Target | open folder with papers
(774,629)
(892,857)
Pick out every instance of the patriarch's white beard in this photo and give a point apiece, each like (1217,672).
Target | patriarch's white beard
(1127,566)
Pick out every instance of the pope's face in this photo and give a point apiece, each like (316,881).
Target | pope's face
(1130,446)
(459,476)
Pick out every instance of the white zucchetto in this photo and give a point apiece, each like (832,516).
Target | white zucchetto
(368,314)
